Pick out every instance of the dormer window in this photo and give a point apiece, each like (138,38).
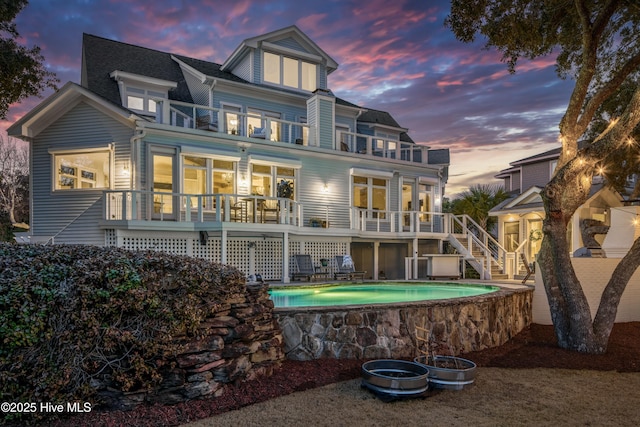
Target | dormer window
(138,93)
(142,100)
(290,72)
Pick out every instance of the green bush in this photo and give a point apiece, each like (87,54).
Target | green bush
(73,314)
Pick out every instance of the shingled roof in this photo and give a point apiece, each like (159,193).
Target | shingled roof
(102,56)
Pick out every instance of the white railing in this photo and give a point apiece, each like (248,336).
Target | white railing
(159,206)
(251,125)
(262,126)
(381,147)
(375,220)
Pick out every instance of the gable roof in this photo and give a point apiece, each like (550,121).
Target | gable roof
(101,57)
(63,100)
(274,36)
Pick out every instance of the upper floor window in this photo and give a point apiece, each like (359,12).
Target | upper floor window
(142,99)
(137,91)
(290,72)
(82,169)
(552,167)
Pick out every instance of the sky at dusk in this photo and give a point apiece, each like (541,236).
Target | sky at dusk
(393,56)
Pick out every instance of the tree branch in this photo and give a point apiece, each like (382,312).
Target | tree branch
(606,91)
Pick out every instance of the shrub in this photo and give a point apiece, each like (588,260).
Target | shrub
(73,314)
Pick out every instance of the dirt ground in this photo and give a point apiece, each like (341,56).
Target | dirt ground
(528,381)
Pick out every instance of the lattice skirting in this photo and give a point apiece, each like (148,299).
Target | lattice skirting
(250,255)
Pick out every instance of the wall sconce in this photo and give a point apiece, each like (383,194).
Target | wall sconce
(325,188)
(243,180)
(125,169)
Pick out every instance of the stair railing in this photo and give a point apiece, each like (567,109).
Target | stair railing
(464,224)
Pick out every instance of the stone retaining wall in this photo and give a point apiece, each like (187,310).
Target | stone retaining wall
(240,340)
(377,332)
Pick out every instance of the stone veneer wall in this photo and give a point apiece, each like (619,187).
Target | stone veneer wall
(240,341)
(377,332)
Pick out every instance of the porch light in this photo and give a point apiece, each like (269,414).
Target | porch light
(325,188)
(125,170)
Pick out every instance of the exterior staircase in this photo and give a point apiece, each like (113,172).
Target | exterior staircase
(478,248)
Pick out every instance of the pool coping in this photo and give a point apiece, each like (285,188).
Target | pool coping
(505,288)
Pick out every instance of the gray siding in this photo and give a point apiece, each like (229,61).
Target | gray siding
(535,174)
(199,92)
(326,131)
(291,43)
(73,216)
(243,70)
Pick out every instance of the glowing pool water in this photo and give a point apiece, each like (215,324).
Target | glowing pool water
(375,293)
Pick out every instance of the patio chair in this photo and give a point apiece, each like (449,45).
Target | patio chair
(305,267)
(527,267)
(346,269)
(270,211)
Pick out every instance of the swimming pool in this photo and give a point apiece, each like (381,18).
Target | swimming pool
(374,293)
(380,329)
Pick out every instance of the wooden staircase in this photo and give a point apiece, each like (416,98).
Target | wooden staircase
(478,248)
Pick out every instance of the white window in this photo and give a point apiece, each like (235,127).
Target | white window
(257,124)
(290,72)
(265,181)
(137,91)
(82,170)
(141,99)
(202,175)
(370,193)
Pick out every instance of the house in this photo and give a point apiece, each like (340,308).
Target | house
(520,217)
(248,162)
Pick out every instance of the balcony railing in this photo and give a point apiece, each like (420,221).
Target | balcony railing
(375,220)
(262,126)
(251,125)
(129,205)
(159,206)
(381,147)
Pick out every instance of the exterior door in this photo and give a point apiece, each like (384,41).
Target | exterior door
(534,230)
(163,186)
(511,236)
(408,204)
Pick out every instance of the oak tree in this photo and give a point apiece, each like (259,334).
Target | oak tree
(596,44)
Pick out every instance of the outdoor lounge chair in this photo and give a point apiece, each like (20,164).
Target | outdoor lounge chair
(346,269)
(305,267)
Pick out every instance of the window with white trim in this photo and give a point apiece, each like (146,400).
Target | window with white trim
(370,193)
(290,72)
(82,170)
(258,121)
(139,99)
(263,178)
(203,175)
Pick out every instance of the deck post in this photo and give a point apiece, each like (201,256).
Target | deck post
(285,257)
(223,247)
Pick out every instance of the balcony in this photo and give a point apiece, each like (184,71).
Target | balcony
(263,127)
(258,212)
(131,205)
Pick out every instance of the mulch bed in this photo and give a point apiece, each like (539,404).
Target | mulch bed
(534,347)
